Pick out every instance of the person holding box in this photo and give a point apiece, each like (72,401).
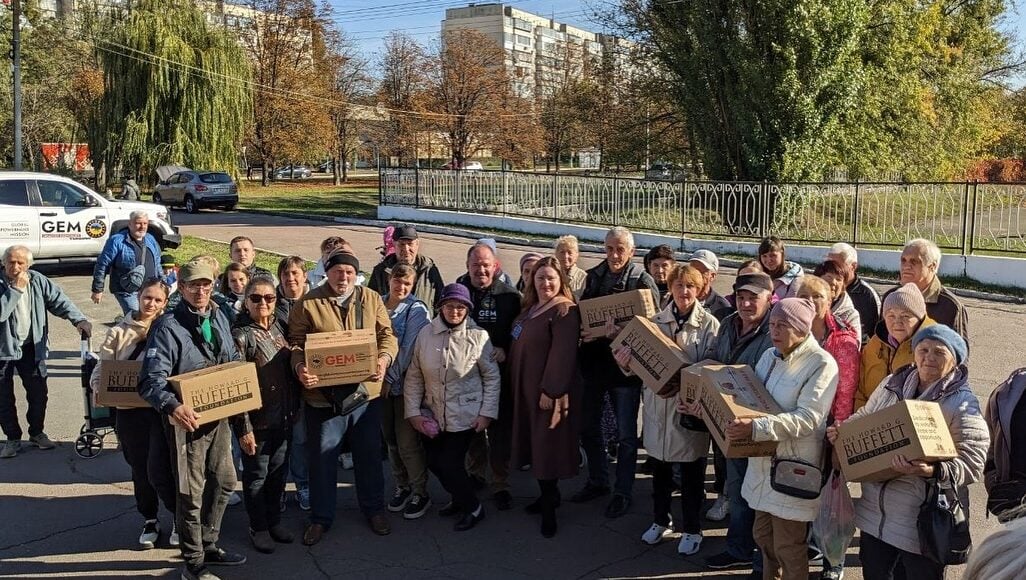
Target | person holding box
(195,335)
(332,412)
(802,378)
(888,510)
(694,330)
(613,275)
(452,392)
(264,434)
(140,431)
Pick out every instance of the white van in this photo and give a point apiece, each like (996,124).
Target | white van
(61,220)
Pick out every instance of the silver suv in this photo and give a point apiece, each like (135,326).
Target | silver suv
(194,190)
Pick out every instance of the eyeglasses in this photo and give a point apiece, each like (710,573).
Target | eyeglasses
(258,298)
(199,286)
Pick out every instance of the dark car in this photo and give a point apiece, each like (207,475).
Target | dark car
(197,189)
(292,172)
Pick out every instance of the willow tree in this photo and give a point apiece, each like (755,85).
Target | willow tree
(176,90)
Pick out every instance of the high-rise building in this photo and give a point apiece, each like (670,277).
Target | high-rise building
(539,51)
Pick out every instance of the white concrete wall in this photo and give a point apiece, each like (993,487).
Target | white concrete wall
(992,270)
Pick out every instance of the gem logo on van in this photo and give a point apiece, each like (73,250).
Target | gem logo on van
(95,228)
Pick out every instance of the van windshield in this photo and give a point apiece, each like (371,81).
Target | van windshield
(215,178)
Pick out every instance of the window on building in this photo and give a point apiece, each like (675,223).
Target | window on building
(523,40)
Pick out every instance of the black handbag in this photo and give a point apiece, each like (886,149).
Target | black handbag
(944,525)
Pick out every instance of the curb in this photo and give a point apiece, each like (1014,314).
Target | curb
(588,247)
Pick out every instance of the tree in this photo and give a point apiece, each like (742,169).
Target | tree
(467,90)
(403,80)
(290,122)
(344,82)
(175,90)
(566,98)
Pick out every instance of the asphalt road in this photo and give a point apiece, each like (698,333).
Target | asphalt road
(66,516)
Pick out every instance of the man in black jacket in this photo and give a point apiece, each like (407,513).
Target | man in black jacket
(195,335)
(601,375)
(496,306)
(428,284)
(863,296)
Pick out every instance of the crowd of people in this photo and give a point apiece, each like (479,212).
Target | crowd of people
(483,376)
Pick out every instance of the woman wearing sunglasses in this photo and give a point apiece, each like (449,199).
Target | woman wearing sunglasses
(265,434)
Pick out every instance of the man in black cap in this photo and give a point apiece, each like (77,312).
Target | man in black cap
(428,284)
(193,336)
(496,306)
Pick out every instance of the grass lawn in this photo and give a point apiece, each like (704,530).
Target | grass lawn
(358,199)
(193,246)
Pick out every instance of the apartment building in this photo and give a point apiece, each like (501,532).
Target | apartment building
(539,50)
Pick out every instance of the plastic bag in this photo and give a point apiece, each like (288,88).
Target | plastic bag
(834,527)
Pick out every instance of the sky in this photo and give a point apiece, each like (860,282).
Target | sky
(367,22)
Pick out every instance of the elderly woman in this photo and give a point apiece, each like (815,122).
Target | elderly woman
(264,434)
(451,392)
(405,451)
(567,251)
(140,430)
(890,348)
(669,444)
(888,511)
(773,259)
(545,383)
(839,340)
(841,305)
(802,378)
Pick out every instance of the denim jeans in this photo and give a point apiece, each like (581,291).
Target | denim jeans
(129,301)
(740,541)
(324,434)
(626,402)
(299,467)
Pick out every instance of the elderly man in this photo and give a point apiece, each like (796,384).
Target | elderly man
(744,337)
(496,306)
(614,274)
(863,296)
(25,299)
(243,251)
(193,336)
(920,261)
(428,285)
(131,256)
(708,264)
(354,410)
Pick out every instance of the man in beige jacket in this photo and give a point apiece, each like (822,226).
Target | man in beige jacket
(340,304)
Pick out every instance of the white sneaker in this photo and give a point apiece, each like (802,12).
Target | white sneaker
(655,534)
(689,544)
(234,498)
(172,540)
(149,535)
(719,510)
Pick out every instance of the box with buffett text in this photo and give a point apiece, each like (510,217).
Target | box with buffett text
(621,307)
(654,356)
(219,391)
(118,384)
(732,392)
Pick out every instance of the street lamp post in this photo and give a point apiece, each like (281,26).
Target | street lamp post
(16,73)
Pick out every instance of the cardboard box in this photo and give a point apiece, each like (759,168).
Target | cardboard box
(654,357)
(118,384)
(733,392)
(690,391)
(344,357)
(621,307)
(915,429)
(219,391)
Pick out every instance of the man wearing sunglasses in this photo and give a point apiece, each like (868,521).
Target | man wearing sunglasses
(193,336)
(341,304)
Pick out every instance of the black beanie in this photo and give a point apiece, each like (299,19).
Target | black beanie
(341,257)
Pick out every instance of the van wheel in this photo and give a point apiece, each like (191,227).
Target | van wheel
(229,207)
(190,204)
(157,199)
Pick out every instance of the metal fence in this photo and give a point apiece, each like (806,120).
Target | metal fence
(962,217)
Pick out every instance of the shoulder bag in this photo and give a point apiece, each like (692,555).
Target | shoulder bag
(944,525)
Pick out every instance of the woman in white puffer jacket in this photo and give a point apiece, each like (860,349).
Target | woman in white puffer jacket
(802,378)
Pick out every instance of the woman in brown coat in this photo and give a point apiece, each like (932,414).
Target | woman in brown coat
(543,372)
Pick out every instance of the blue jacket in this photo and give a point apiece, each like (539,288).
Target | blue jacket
(46,297)
(408,318)
(173,348)
(118,258)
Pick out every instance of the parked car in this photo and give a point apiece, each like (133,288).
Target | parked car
(663,171)
(62,220)
(292,172)
(467,166)
(195,190)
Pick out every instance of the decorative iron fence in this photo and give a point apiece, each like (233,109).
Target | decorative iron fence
(961,217)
